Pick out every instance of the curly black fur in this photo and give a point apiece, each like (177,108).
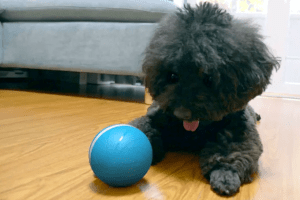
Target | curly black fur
(204,65)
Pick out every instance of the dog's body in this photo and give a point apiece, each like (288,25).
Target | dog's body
(202,68)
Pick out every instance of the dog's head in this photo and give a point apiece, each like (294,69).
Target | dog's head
(203,64)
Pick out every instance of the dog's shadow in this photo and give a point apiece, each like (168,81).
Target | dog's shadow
(182,166)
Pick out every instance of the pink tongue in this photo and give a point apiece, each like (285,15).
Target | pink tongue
(191,126)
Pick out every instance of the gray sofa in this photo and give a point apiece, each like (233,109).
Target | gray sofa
(90,36)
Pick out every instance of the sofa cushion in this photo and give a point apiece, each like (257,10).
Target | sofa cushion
(77,46)
(85,10)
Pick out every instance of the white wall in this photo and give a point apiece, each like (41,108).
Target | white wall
(179,3)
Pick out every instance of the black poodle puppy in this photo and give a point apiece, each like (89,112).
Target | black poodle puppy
(202,68)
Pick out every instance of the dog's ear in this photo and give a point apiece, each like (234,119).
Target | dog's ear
(264,63)
(253,62)
(259,71)
(150,67)
(248,73)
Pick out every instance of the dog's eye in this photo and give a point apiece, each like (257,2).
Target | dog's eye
(208,81)
(173,78)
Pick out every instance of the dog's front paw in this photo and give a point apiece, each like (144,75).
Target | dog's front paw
(225,182)
(158,150)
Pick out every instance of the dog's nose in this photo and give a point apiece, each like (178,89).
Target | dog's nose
(183,113)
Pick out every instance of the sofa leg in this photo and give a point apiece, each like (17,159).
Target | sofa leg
(98,79)
(82,83)
(73,77)
(148,98)
(82,78)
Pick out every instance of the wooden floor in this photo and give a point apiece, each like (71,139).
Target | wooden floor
(45,138)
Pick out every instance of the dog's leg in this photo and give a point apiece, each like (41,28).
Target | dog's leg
(227,170)
(232,158)
(149,125)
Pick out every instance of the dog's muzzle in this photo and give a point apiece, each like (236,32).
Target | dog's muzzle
(185,115)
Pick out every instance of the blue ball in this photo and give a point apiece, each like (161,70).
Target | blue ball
(120,155)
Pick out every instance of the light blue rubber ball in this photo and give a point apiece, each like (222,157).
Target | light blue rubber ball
(120,155)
